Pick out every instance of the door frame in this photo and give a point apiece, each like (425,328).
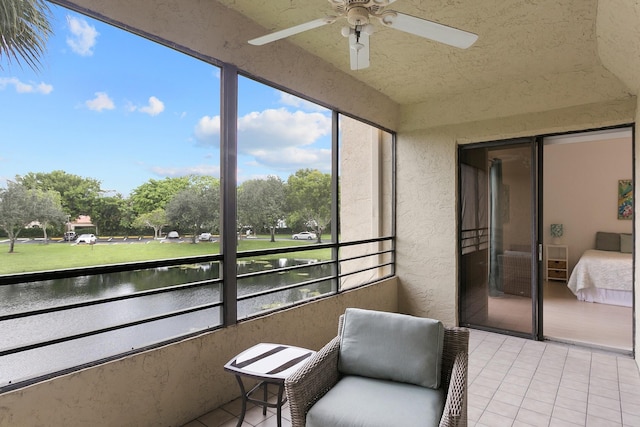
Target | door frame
(537,280)
(535,144)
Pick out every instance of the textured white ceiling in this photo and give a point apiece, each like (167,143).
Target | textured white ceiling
(519,41)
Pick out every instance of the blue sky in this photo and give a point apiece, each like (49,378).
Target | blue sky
(113,106)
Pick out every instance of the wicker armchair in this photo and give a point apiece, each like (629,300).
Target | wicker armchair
(320,374)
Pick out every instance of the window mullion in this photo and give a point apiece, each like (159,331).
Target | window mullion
(228,184)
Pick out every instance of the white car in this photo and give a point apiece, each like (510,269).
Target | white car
(173,235)
(304,235)
(206,237)
(86,238)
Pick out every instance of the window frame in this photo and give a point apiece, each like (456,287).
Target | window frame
(228,256)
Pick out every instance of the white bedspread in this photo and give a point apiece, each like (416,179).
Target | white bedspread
(602,270)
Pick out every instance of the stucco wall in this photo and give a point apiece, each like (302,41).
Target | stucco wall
(174,384)
(426,191)
(618,32)
(188,377)
(636,252)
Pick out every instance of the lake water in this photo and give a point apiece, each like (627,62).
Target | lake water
(40,295)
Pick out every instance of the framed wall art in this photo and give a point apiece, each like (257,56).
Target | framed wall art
(625,199)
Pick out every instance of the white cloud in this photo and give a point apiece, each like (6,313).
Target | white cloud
(100,102)
(22,87)
(129,107)
(203,170)
(278,129)
(44,88)
(292,158)
(83,36)
(279,138)
(154,107)
(207,129)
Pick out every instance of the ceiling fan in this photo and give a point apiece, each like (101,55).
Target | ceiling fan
(359,14)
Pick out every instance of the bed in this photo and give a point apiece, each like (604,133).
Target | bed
(604,276)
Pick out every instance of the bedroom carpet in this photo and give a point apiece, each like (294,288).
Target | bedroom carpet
(566,318)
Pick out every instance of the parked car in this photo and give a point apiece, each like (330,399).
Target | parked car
(69,236)
(206,237)
(87,238)
(173,235)
(304,235)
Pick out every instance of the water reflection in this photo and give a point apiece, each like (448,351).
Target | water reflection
(54,293)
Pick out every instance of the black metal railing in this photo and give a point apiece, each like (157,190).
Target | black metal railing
(314,279)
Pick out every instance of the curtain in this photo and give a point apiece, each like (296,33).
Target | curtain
(495,226)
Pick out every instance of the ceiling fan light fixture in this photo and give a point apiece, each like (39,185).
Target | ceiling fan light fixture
(368,29)
(358,15)
(346,31)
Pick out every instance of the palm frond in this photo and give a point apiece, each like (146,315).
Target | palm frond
(24,31)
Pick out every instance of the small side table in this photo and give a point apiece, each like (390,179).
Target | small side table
(269,364)
(557,262)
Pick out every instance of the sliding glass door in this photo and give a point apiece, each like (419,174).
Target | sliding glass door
(497,239)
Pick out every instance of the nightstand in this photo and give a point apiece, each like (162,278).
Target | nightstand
(557,262)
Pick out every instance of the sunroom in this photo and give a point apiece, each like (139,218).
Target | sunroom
(537,69)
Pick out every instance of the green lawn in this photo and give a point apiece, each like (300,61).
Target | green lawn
(29,257)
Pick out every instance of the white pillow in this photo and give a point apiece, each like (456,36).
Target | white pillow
(391,346)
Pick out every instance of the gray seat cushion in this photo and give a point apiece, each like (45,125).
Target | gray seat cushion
(358,401)
(391,346)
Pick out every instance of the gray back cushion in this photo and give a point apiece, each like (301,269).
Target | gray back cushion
(626,243)
(607,241)
(391,346)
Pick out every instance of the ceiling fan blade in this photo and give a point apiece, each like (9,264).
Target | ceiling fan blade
(277,35)
(382,3)
(428,29)
(359,51)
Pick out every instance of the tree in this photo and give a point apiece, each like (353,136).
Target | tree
(19,206)
(155,194)
(155,219)
(195,209)
(262,203)
(24,31)
(309,199)
(48,210)
(78,195)
(110,214)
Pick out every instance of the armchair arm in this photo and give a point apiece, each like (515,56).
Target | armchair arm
(455,408)
(312,381)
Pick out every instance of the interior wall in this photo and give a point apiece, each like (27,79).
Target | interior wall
(172,385)
(581,191)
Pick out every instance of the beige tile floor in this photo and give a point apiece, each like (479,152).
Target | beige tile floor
(518,382)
